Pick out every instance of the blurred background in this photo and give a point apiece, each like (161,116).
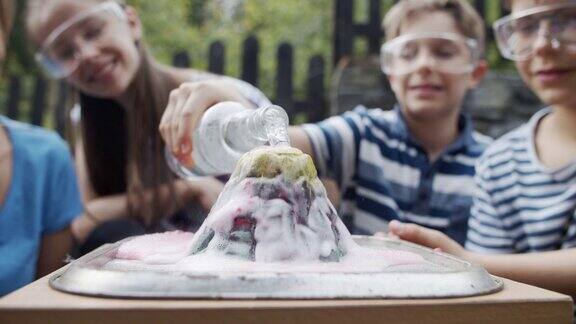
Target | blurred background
(315,58)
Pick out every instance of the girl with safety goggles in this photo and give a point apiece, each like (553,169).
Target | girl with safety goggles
(97,47)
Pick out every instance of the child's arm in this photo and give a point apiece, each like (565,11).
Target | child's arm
(554,270)
(53,250)
(300,140)
(191,100)
(101,209)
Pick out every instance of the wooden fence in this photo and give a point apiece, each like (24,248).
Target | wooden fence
(38,105)
(346,30)
(313,106)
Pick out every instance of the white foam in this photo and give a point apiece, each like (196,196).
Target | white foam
(263,225)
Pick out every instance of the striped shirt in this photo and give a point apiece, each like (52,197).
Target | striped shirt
(521,205)
(384,174)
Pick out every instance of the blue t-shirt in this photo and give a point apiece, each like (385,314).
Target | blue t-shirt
(42,199)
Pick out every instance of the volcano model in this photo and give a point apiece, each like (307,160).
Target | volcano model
(273,215)
(272,233)
(274,208)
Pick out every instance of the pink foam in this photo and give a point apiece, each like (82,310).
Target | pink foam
(172,251)
(161,248)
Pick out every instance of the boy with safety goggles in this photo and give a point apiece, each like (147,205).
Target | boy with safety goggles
(527,179)
(416,162)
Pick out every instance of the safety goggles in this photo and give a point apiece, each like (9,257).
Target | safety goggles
(443,52)
(61,53)
(516,34)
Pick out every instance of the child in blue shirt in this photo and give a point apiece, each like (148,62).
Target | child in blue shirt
(38,195)
(413,163)
(38,206)
(98,48)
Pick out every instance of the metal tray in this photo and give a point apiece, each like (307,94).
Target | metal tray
(443,276)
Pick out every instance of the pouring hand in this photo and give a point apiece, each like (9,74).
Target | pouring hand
(185,107)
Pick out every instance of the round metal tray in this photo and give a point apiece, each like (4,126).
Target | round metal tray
(441,276)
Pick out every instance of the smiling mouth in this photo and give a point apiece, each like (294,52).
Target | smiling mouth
(102,71)
(553,72)
(427,87)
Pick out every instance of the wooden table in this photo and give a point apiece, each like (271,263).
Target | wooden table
(517,303)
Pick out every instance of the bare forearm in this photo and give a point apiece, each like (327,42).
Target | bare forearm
(299,139)
(101,210)
(555,270)
(53,250)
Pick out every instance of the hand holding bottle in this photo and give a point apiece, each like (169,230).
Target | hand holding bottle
(185,108)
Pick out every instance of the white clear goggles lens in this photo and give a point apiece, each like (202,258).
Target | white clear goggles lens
(517,34)
(443,52)
(61,53)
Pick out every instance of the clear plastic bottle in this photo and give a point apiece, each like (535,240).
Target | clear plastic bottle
(226,131)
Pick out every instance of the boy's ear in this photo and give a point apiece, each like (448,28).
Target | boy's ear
(134,22)
(479,73)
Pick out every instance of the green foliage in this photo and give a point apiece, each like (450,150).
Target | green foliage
(19,59)
(174,25)
(192,25)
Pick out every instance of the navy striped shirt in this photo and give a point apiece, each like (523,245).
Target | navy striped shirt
(521,205)
(384,174)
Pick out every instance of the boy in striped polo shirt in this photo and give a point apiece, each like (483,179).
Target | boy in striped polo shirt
(414,163)
(527,178)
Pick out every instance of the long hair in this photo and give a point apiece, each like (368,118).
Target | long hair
(123,148)
(7,12)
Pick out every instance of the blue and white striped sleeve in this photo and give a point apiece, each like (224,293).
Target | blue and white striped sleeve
(335,143)
(487,232)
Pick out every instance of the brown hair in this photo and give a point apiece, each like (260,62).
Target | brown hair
(122,145)
(7,12)
(467,19)
(508,4)
(123,148)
